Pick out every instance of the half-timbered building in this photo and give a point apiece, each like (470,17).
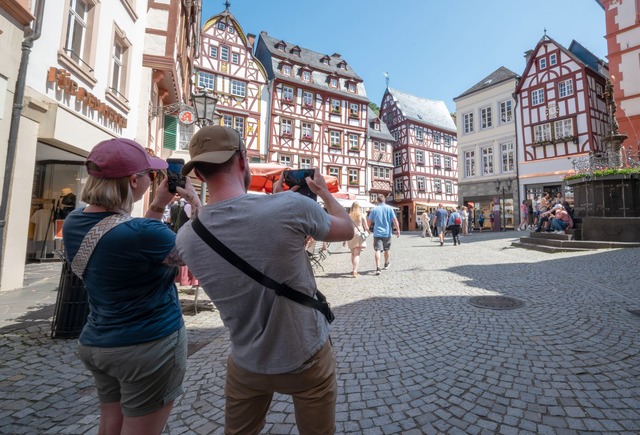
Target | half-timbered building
(623,47)
(380,158)
(425,156)
(487,146)
(562,114)
(318,113)
(227,68)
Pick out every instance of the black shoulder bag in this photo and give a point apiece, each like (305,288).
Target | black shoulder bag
(281,289)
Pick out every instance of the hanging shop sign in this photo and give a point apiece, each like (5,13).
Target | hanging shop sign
(65,83)
(187,117)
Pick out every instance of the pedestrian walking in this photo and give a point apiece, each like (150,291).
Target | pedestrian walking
(134,342)
(384,222)
(277,343)
(464,226)
(358,242)
(426,225)
(441,222)
(481,219)
(454,223)
(524,215)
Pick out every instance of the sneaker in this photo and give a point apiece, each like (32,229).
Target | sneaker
(386,266)
(518,229)
(378,271)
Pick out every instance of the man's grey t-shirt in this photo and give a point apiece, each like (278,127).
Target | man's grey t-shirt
(269,334)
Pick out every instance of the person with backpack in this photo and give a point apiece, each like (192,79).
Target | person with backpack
(455,221)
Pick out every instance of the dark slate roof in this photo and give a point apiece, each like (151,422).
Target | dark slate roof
(588,58)
(310,58)
(383,133)
(500,75)
(423,110)
(271,58)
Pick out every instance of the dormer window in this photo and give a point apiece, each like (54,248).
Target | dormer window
(286,70)
(342,65)
(333,82)
(295,51)
(376,126)
(325,60)
(306,76)
(351,87)
(281,46)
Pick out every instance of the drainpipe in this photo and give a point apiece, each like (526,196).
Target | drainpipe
(31,35)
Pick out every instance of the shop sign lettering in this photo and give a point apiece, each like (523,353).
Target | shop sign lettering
(64,82)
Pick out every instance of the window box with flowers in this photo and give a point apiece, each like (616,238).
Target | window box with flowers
(335,110)
(354,148)
(286,134)
(287,100)
(307,137)
(308,105)
(353,114)
(337,145)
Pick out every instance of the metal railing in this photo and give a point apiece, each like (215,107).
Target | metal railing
(606,160)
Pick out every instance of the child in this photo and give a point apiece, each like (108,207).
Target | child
(481,220)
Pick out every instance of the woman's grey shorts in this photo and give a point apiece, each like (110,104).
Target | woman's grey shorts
(142,377)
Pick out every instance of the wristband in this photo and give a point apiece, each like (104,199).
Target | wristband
(156,209)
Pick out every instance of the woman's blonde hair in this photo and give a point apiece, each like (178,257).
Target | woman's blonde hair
(110,193)
(355,212)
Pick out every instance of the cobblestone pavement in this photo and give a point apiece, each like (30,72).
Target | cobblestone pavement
(414,356)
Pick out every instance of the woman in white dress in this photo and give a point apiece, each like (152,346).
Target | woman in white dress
(357,243)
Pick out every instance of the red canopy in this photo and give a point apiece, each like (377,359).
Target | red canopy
(263,175)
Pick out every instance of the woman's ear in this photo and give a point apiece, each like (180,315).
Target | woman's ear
(133,181)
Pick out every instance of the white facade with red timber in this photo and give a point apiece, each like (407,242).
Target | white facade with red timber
(623,46)
(318,113)
(227,68)
(380,158)
(425,157)
(562,113)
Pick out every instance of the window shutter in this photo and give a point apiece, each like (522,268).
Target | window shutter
(170,127)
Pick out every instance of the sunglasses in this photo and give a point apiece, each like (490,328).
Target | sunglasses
(153,174)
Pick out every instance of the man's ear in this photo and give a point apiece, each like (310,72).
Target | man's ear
(198,176)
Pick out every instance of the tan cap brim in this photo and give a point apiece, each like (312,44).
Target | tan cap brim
(211,157)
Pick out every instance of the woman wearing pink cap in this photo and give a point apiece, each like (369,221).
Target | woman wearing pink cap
(134,341)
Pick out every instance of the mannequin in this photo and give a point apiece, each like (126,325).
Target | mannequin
(66,203)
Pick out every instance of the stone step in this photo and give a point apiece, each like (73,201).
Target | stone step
(550,236)
(545,248)
(561,242)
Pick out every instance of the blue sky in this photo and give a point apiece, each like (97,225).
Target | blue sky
(431,49)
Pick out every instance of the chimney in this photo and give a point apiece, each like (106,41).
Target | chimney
(527,55)
(251,38)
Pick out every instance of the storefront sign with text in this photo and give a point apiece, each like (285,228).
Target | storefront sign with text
(65,83)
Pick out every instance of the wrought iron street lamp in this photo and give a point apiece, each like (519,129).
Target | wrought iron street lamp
(204,104)
(504,189)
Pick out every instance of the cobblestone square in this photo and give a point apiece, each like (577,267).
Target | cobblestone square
(413,355)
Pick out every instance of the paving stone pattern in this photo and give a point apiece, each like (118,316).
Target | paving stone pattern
(413,355)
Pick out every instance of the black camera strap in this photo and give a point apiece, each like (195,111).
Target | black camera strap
(281,289)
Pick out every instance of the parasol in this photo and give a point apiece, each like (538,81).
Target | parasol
(263,175)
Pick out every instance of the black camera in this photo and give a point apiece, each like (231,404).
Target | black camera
(297,177)
(174,174)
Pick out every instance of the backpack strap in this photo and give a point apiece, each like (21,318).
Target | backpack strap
(91,239)
(281,289)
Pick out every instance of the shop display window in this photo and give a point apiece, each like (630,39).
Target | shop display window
(56,192)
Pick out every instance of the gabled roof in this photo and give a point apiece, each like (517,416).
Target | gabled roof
(309,57)
(383,133)
(577,52)
(497,77)
(423,110)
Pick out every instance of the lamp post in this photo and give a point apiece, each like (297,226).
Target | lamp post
(204,104)
(504,189)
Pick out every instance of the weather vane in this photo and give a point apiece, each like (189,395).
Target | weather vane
(386,78)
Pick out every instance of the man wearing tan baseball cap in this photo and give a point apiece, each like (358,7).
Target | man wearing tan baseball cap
(277,344)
